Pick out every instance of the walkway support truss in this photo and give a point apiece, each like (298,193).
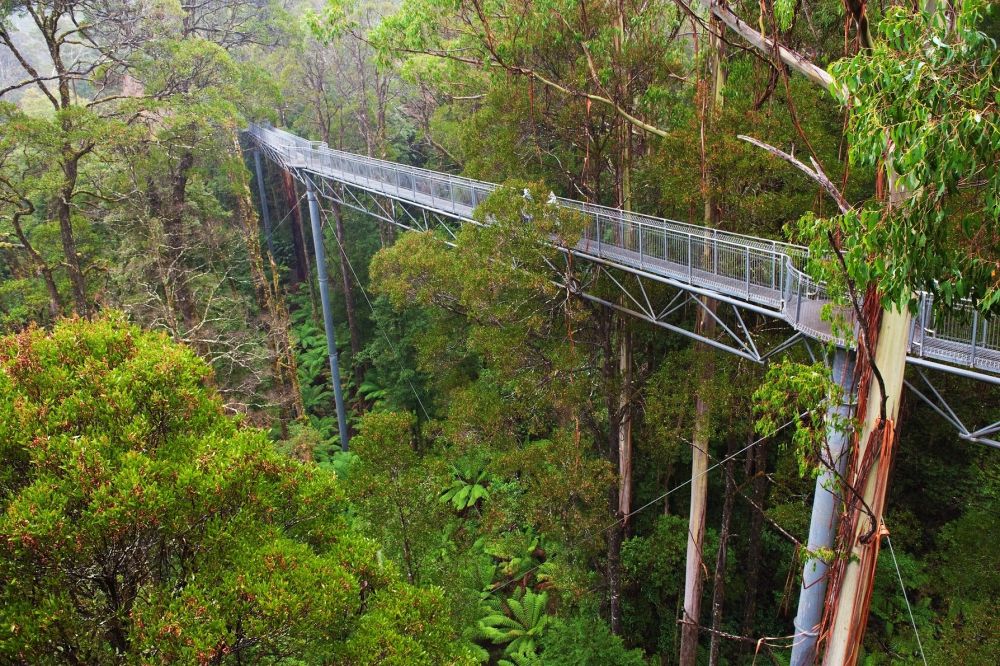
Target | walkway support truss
(750,275)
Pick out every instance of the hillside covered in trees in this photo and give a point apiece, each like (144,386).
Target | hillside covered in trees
(535,474)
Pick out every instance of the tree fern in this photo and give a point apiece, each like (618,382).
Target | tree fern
(467,489)
(516,623)
(521,659)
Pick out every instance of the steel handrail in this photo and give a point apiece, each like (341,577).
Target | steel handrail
(756,270)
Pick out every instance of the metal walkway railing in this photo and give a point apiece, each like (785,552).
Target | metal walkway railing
(754,270)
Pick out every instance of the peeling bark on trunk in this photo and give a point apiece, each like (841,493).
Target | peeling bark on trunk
(868,473)
(275,319)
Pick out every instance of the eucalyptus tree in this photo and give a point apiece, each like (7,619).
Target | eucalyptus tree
(74,125)
(611,64)
(146,100)
(917,93)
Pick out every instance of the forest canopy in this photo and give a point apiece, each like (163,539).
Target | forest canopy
(141,523)
(554,457)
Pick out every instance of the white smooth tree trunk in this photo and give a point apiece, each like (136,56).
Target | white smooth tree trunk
(850,614)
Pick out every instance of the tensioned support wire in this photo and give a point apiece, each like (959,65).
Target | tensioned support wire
(307,181)
(378,324)
(664,495)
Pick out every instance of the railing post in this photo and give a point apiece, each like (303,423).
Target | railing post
(783,284)
(774,260)
(924,317)
(747,271)
(324,293)
(798,305)
(640,245)
(690,263)
(975,335)
(715,251)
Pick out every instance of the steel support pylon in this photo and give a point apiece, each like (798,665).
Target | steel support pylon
(265,213)
(823,524)
(324,293)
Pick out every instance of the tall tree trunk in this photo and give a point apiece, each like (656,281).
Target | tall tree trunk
(302,263)
(64,212)
(853,577)
(719,580)
(177,242)
(757,468)
(616,535)
(693,579)
(624,406)
(625,423)
(625,127)
(705,326)
(269,298)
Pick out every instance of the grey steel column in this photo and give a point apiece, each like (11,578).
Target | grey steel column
(823,524)
(264,212)
(324,293)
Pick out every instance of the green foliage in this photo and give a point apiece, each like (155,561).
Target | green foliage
(468,488)
(963,576)
(500,487)
(800,394)
(653,566)
(404,627)
(313,367)
(517,622)
(556,487)
(889,608)
(585,640)
(396,492)
(784,12)
(141,522)
(33,153)
(923,100)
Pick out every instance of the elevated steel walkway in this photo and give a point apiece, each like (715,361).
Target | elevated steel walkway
(758,274)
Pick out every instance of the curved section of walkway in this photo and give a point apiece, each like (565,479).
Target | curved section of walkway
(766,273)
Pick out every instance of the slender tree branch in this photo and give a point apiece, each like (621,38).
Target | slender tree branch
(793,59)
(817,174)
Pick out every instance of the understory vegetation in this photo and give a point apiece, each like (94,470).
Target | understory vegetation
(535,474)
